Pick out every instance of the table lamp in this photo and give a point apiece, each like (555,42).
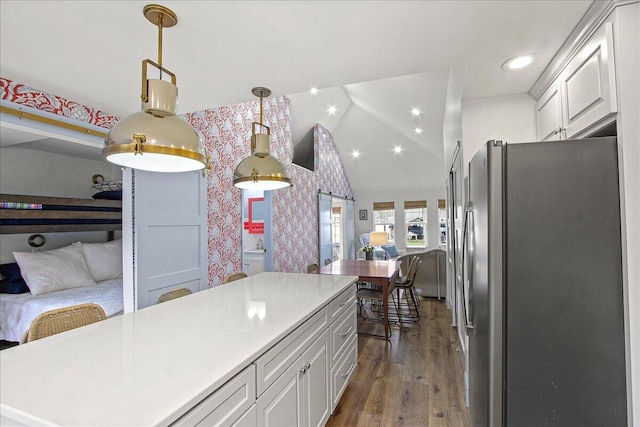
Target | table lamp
(378,238)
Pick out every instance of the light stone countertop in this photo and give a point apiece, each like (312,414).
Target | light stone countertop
(150,366)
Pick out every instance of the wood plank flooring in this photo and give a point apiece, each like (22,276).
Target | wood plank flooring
(414,380)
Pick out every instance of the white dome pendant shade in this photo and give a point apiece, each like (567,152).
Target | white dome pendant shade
(156,139)
(260,171)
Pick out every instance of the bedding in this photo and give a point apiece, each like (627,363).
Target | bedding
(54,270)
(104,260)
(18,311)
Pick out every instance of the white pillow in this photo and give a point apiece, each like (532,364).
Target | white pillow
(104,260)
(54,270)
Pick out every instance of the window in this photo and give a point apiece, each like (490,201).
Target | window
(442,220)
(415,220)
(384,218)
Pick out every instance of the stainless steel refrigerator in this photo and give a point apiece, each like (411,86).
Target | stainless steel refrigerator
(543,288)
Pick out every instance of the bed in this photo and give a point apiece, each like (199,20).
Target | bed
(75,274)
(17,311)
(41,214)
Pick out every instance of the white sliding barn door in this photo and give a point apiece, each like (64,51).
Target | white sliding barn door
(324,228)
(165,235)
(350,232)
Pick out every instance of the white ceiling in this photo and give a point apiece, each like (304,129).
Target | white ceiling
(373,60)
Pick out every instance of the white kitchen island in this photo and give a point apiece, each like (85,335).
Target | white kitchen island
(157,365)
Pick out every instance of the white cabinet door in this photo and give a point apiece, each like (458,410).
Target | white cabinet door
(280,404)
(588,84)
(549,114)
(583,98)
(316,403)
(253,264)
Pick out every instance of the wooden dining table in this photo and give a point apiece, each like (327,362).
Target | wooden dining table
(377,272)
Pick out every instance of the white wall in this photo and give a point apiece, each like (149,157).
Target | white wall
(365,199)
(507,118)
(39,173)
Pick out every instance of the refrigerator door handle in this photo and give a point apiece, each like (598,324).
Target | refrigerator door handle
(467,297)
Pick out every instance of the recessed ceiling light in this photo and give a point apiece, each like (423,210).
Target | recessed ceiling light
(397,149)
(418,131)
(415,112)
(314,90)
(519,62)
(355,154)
(332,109)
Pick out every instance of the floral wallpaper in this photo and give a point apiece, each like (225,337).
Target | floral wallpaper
(43,101)
(226,133)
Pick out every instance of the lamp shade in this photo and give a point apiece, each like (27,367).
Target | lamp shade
(260,171)
(378,238)
(170,144)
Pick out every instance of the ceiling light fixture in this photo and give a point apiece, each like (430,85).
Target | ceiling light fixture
(418,131)
(519,62)
(314,90)
(156,139)
(415,112)
(397,149)
(332,109)
(355,154)
(260,171)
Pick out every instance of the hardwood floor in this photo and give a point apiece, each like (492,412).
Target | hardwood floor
(415,380)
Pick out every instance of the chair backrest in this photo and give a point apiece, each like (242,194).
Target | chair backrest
(327,261)
(176,293)
(364,239)
(313,268)
(392,280)
(64,319)
(235,276)
(407,271)
(413,269)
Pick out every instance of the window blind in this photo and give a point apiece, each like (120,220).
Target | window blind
(383,206)
(336,210)
(415,204)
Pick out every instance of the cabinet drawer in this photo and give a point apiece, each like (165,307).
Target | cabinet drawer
(342,332)
(277,359)
(343,371)
(226,405)
(340,303)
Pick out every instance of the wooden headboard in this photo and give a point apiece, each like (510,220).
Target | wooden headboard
(40,214)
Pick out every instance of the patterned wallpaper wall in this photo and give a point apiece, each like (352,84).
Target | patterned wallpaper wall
(226,132)
(43,101)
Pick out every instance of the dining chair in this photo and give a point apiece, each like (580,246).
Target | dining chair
(64,319)
(176,293)
(404,286)
(374,295)
(313,268)
(235,276)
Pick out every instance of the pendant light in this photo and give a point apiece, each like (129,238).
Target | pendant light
(260,171)
(156,139)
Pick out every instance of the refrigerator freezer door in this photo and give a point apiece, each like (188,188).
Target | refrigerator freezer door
(564,338)
(476,285)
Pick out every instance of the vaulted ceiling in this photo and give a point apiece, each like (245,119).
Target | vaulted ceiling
(373,60)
